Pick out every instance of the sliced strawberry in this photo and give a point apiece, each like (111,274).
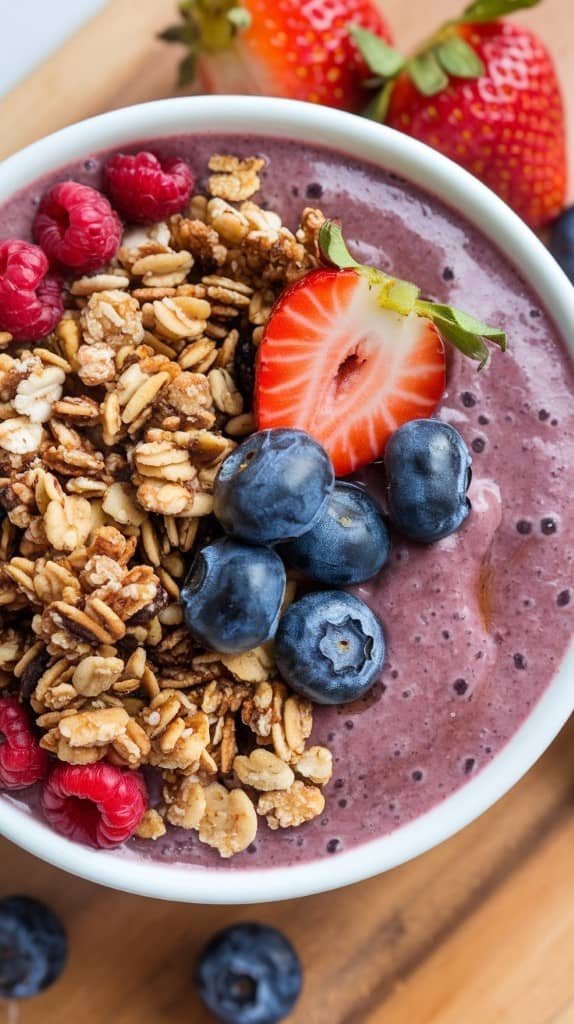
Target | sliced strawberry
(336,364)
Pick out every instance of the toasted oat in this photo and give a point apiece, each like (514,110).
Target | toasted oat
(263,770)
(36,393)
(89,285)
(234,179)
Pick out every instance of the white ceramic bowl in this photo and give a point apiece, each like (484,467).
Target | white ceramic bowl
(426,168)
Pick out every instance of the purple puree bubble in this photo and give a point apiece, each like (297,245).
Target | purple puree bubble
(477,624)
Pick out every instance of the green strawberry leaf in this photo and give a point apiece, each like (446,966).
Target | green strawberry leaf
(427,74)
(172,34)
(378,106)
(459,59)
(488,10)
(333,246)
(381,58)
(463,331)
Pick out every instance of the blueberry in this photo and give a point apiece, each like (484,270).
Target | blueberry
(562,242)
(348,543)
(33,947)
(249,974)
(427,466)
(330,647)
(232,596)
(273,486)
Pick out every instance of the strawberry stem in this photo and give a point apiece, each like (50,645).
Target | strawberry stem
(207,26)
(464,331)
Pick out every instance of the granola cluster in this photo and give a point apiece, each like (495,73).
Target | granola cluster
(111,435)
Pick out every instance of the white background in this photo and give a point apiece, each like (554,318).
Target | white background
(31,29)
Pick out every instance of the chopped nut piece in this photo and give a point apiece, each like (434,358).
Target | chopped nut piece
(95,675)
(292,807)
(229,822)
(96,364)
(151,826)
(263,770)
(316,764)
(68,522)
(112,317)
(186,803)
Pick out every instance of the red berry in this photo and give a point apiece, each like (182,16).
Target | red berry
(144,189)
(30,297)
(96,804)
(22,760)
(76,227)
(506,127)
(334,363)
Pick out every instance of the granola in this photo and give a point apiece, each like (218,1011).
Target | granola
(111,436)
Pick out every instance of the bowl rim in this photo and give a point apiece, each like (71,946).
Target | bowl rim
(437,175)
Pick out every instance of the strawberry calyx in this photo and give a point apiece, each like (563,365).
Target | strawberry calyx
(207,26)
(467,333)
(447,54)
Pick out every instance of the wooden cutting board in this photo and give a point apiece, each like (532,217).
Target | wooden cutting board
(478,931)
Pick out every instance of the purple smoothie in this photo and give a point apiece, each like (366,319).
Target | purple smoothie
(478,623)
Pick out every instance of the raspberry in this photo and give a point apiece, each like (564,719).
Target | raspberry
(22,760)
(76,227)
(96,804)
(143,189)
(30,297)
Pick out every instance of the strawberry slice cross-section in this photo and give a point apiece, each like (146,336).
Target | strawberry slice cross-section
(336,363)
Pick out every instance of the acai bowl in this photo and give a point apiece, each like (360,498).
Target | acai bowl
(477,674)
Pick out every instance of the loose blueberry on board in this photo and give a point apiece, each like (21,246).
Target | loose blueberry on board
(562,242)
(233,595)
(273,486)
(249,974)
(348,543)
(33,947)
(427,465)
(330,647)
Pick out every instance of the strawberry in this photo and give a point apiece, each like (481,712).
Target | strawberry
(485,93)
(350,354)
(301,49)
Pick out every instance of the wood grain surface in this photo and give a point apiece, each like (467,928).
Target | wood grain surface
(478,931)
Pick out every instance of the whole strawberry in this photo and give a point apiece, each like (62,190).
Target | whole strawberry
(484,92)
(300,49)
